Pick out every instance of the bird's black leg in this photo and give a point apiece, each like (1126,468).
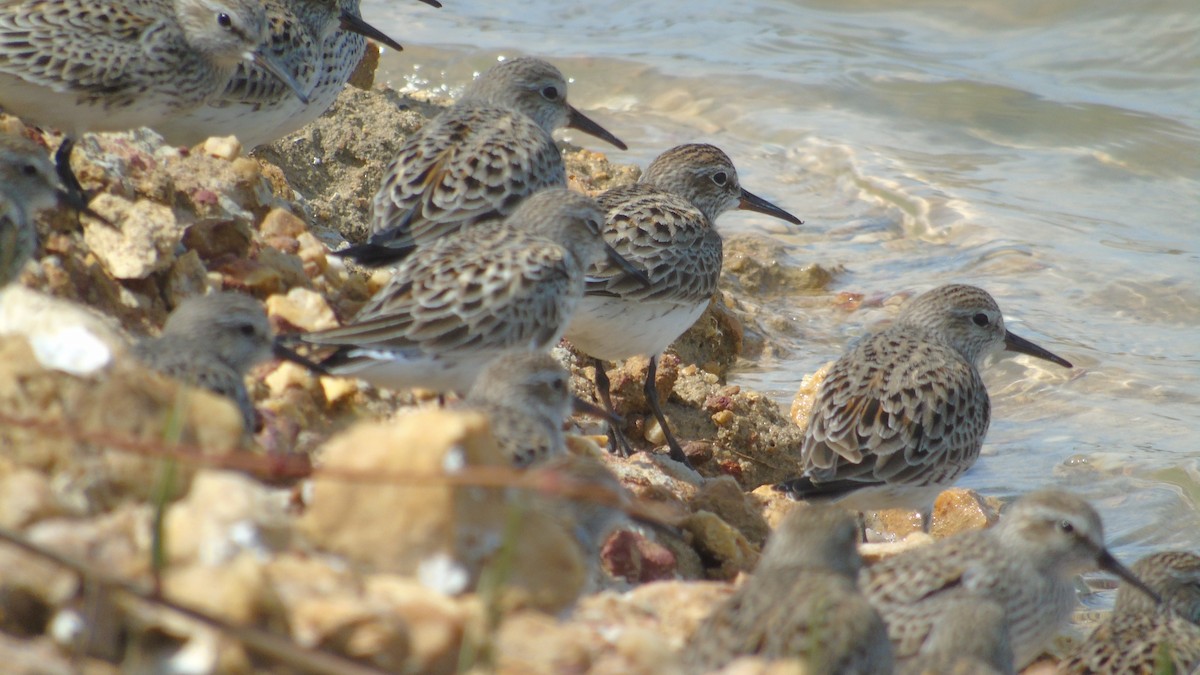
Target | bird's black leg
(651,392)
(604,391)
(62,165)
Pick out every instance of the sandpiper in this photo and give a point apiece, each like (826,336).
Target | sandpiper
(1026,564)
(211,341)
(318,42)
(526,396)
(802,602)
(467,298)
(27,185)
(476,161)
(903,413)
(664,225)
(98,65)
(1141,637)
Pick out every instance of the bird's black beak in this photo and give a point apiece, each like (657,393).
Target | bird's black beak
(287,354)
(752,202)
(1016,343)
(577,120)
(356,24)
(1108,563)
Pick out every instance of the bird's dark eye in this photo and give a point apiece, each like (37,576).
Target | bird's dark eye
(720,178)
(1066,526)
(224,21)
(29,170)
(551,93)
(980,319)
(246,329)
(558,385)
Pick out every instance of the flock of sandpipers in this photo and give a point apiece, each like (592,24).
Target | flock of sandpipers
(496,261)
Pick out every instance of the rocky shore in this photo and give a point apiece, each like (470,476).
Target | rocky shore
(375,528)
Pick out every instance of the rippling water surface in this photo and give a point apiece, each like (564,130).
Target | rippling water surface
(1048,151)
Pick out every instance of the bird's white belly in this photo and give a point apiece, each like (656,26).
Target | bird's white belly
(442,373)
(253,125)
(613,328)
(69,112)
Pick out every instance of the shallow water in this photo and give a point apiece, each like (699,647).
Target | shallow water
(1047,151)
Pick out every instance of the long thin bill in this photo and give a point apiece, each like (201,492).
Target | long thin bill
(627,267)
(269,64)
(752,202)
(356,24)
(286,354)
(577,120)
(1110,564)
(1016,343)
(585,407)
(433,3)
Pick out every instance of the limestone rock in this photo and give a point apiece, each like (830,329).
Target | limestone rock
(806,396)
(723,496)
(725,549)
(429,527)
(958,510)
(142,242)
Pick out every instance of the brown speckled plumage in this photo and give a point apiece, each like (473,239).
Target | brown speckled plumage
(903,413)
(465,299)
(802,602)
(1140,637)
(108,66)
(306,37)
(1025,564)
(481,157)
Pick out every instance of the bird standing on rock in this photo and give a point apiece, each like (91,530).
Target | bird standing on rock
(526,396)
(476,161)
(1026,564)
(801,603)
(318,42)
(903,413)
(81,66)
(468,298)
(665,225)
(27,185)
(211,342)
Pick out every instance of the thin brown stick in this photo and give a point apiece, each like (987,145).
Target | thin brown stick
(277,467)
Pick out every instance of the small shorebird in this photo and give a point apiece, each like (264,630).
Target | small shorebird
(1141,637)
(211,341)
(664,225)
(526,396)
(460,302)
(318,42)
(27,185)
(99,65)
(802,602)
(476,161)
(903,413)
(1025,564)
